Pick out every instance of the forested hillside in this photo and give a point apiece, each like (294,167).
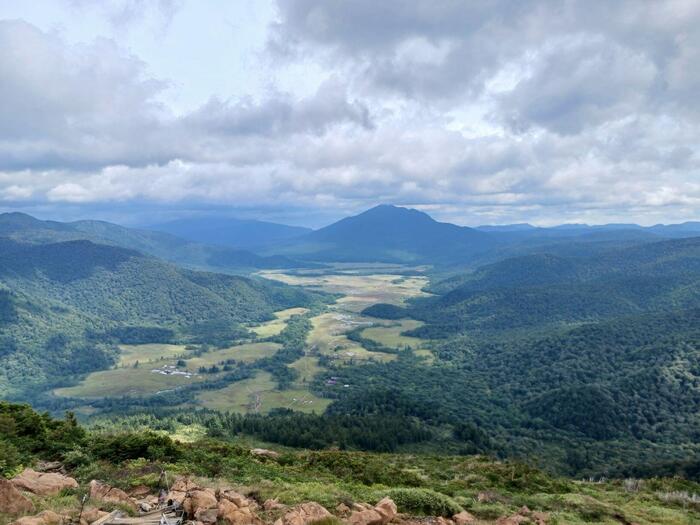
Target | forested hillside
(64,306)
(542,289)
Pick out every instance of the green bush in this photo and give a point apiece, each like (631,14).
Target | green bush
(423,502)
(147,445)
(10,459)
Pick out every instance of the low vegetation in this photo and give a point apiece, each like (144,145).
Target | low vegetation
(419,484)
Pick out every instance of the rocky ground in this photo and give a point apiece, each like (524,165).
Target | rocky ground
(204,502)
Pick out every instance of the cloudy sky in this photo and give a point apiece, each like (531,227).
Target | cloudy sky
(303,111)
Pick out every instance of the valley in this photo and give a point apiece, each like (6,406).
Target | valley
(156,368)
(575,354)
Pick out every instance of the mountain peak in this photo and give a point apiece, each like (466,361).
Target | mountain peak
(390,211)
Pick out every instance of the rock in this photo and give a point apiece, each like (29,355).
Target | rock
(463,518)
(49,466)
(304,514)
(12,501)
(273,504)
(361,506)
(140,492)
(440,520)
(207,516)
(102,492)
(231,514)
(387,508)
(176,497)
(200,499)
(43,483)
(487,497)
(366,517)
(178,490)
(92,514)
(263,452)
(144,506)
(234,497)
(381,514)
(342,508)
(540,518)
(43,518)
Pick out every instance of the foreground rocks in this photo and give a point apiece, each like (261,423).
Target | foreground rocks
(12,502)
(463,518)
(381,514)
(103,492)
(222,506)
(43,518)
(43,483)
(304,514)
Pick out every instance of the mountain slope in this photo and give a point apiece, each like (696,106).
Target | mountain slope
(24,228)
(390,234)
(542,290)
(61,302)
(237,233)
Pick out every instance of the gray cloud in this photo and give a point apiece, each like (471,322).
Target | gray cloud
(282,115)
(480,112)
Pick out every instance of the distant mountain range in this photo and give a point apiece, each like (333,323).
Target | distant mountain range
(389,234)
(238,233)
(385,233)
(25,228)
(393,234)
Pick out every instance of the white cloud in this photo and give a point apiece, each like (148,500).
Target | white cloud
(507,111)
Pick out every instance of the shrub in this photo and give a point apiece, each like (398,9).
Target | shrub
(423,502)
(10,459)
(147,445)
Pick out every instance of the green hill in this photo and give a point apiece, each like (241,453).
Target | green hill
(542,289)
(64,305)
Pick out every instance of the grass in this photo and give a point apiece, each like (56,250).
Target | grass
(275,327)
(245,353)
(124,382)
(307,367)
(419,484)
(260,395)
(360,290)
(328,337)
(148,353)
(391,337)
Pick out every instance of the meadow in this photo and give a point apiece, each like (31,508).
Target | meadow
(275,327)
(259,395)
(147,369)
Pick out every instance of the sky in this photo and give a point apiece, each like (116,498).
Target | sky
(304,111)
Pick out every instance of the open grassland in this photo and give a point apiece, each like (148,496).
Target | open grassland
(390,335)
(148,353)
(360,290)
(275,327)
(260,395)
(246,353)
(125,382)
(307,367)
(327,337)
